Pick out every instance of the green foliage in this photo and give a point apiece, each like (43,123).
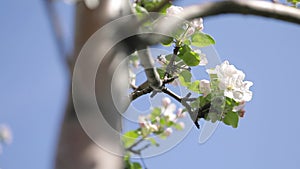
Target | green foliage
(133,138)
(161,72)
(231,118)
(129,164)
(151,5)
(167,41)
(200,39)
(129,138)
(189,57)
(185,80)
(140,10)
(294,2)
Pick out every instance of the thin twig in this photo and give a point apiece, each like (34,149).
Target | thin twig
(143,162)
(135,144)
(170,66)
(151,72)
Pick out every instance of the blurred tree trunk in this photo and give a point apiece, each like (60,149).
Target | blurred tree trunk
(75,149)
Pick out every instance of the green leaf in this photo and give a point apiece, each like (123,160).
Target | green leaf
(161,72)
(167,41)
(140,10)
(189,57)
(185,77)
(187,42)
(201,40)
(155,113)
(129,138)
(178,126)
(194,86)
(162,121)
(135,165)
(152,141)
(150,5)
(232,119)
(293,1)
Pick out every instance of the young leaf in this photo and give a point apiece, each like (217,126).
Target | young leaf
(129,138)
(135,165)
(194,86)
(232,119)
(201,40)
(178,126)
(185,77)
(153,141)
(140,10)
(161,72)
(189,57)
(167,41)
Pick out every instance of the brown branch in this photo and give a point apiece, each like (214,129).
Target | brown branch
(258,8)
(170,66)
(151,72)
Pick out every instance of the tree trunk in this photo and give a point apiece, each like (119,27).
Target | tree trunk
(75,148)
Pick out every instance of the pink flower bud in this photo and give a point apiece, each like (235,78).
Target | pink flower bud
(182,125)
(168,131)
(166,101)
(180,114)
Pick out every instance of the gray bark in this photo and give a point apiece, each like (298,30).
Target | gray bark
(75,148)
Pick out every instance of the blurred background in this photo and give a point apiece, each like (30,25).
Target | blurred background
(34,83)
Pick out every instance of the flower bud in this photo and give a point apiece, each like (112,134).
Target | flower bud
(197,24)
(166,101)
(204,87)
(180,114)
(168,131)
(5,134)
(182,125)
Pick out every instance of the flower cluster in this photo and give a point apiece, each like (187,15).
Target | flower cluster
(161,120)
(193,26)
(231,81)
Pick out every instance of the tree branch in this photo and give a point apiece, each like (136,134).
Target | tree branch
(258,8)
(151,72)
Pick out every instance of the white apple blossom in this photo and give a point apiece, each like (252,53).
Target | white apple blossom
(203,59)
(197,24)
(204,87)
(174,10)
(169,112)
(232,82)
(146,123)
(5,134)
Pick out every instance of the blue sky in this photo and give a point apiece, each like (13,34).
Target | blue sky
(34,86)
